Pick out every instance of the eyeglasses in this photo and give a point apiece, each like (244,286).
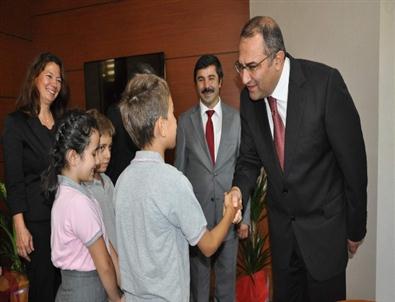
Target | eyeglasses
(251,67)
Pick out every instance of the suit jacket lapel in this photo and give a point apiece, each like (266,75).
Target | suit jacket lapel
(42,141)
(198,127)
(267,151)
(295,109)
(225,133)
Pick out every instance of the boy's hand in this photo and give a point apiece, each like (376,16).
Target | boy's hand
(234,205)
(236,196)
(238,217)
(236,201)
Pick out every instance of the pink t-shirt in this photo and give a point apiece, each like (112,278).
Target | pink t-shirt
(76,223)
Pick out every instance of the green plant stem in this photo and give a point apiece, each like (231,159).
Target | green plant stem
(11,238)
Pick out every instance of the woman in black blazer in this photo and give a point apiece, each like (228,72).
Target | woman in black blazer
(27,140)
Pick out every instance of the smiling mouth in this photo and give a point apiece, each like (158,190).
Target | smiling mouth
(51,92)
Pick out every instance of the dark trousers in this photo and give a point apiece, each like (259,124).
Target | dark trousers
(44,278)
(295,284)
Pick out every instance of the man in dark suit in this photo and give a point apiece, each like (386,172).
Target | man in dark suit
(208,139)
(123,148)
(299,121)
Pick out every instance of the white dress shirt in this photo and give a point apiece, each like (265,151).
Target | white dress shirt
(217,123)
(280,93)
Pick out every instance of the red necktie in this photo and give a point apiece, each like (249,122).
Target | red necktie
(278,130)
(210,134)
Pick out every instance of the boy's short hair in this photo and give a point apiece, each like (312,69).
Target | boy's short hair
(145,99)
(104,124)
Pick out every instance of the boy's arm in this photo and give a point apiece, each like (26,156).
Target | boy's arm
(211,240)
(105,269)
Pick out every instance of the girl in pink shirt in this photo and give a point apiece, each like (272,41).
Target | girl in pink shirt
(79,244)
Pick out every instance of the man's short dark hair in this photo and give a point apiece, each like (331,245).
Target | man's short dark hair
(270,31)
(206,61)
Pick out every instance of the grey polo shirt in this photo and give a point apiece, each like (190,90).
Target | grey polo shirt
(157,216)
(103,192)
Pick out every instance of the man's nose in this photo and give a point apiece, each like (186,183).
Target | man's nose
(245,76)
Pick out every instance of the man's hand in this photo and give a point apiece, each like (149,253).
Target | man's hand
(243,230)
(352,247)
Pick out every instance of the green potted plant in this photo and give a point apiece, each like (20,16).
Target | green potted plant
(13,283)
(254,252)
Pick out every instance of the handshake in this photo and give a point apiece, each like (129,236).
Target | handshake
(233,203)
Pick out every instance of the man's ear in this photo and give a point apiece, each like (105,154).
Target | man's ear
(72,157)
(279,58)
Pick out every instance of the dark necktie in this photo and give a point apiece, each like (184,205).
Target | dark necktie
(210,134)
(278,130)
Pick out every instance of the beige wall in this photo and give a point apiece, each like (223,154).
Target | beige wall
(345,35)
(385,282)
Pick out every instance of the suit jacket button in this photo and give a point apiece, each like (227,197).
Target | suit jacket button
(285,191)
(292,218)
(212,198)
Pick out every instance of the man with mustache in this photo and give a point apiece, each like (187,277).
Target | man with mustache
(208,139)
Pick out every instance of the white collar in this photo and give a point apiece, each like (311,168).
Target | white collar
(217,108)
(281,90)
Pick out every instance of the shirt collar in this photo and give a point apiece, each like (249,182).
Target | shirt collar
(217,108)
(144,155)
(95,182)
(281,90)
(66,181)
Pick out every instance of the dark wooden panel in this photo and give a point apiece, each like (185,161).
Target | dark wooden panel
(15,57)
(15,18)
(182,29)
(1,171)
(6,106)
(50,6)
(77,89)
(179,28)
(179,74)
(180,79)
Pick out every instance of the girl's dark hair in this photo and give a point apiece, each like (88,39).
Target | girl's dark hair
(29,98)
(73,132)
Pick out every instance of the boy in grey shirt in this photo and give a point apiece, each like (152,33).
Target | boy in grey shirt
(101,186)
(157,214)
